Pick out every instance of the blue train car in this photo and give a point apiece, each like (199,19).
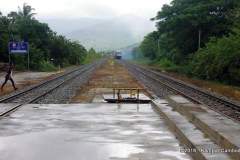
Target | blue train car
(118,55)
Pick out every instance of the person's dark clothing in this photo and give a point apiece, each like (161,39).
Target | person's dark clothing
(9,77)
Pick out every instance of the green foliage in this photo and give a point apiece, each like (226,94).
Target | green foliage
(91,56)
(21,62)
(137,53)
(180,25)
(149,45)
(181,22)
(219,60)
(166,64)
(47,67)
(45,45)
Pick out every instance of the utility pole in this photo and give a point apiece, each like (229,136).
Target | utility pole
(158,45)
(199,38)
(11,38)
(9,53)
(28,57)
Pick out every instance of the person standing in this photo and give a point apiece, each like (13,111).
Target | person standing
(9,77)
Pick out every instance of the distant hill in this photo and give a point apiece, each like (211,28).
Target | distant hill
(105,34)
(65,26)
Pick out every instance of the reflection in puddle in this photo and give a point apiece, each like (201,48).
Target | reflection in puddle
(123,150)
(162,138)
(86,132)
(58,143)
(128,132)
(176,154)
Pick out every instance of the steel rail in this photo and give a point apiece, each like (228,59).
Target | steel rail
(187,89)
(2,100)
(81,70)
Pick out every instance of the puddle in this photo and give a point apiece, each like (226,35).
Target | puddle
(128,132)
(62,145)
(86,132)
(174,154)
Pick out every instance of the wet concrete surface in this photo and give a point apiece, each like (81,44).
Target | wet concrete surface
(87,132)
(6,107)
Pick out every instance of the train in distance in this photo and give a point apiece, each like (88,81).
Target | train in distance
(117,55)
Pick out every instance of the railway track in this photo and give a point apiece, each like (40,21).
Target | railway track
(36,92)
(216,102)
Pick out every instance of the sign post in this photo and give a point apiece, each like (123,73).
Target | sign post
(19,48)
(9,56)
(28,59)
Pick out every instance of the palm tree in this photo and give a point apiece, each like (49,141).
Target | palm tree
(12,15)
(26,11)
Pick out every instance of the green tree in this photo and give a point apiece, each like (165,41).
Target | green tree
(45,45)
(4,37)
(92,55)
(219,60)
(183,22)
(26,12)
(149,45)
(184,26)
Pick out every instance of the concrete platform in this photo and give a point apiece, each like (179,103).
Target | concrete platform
(87,132)
(6,107)
(222,130)
(194,140)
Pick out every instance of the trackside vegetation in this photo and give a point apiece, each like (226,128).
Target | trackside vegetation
(200,38)
(92,56)
(48,50)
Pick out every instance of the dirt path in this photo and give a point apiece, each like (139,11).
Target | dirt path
(24,79)
(110,75)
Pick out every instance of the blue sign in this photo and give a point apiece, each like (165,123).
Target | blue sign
(18,47)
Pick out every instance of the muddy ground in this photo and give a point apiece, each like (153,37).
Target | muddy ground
(25,79)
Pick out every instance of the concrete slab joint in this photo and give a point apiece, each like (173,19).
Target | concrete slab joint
(221,130)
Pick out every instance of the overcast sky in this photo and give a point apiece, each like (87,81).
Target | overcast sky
(87,8)
(77,19)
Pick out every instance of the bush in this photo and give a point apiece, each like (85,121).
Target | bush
(219,60)
(19,61)
(91,56)
(46,67)
(167,65)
